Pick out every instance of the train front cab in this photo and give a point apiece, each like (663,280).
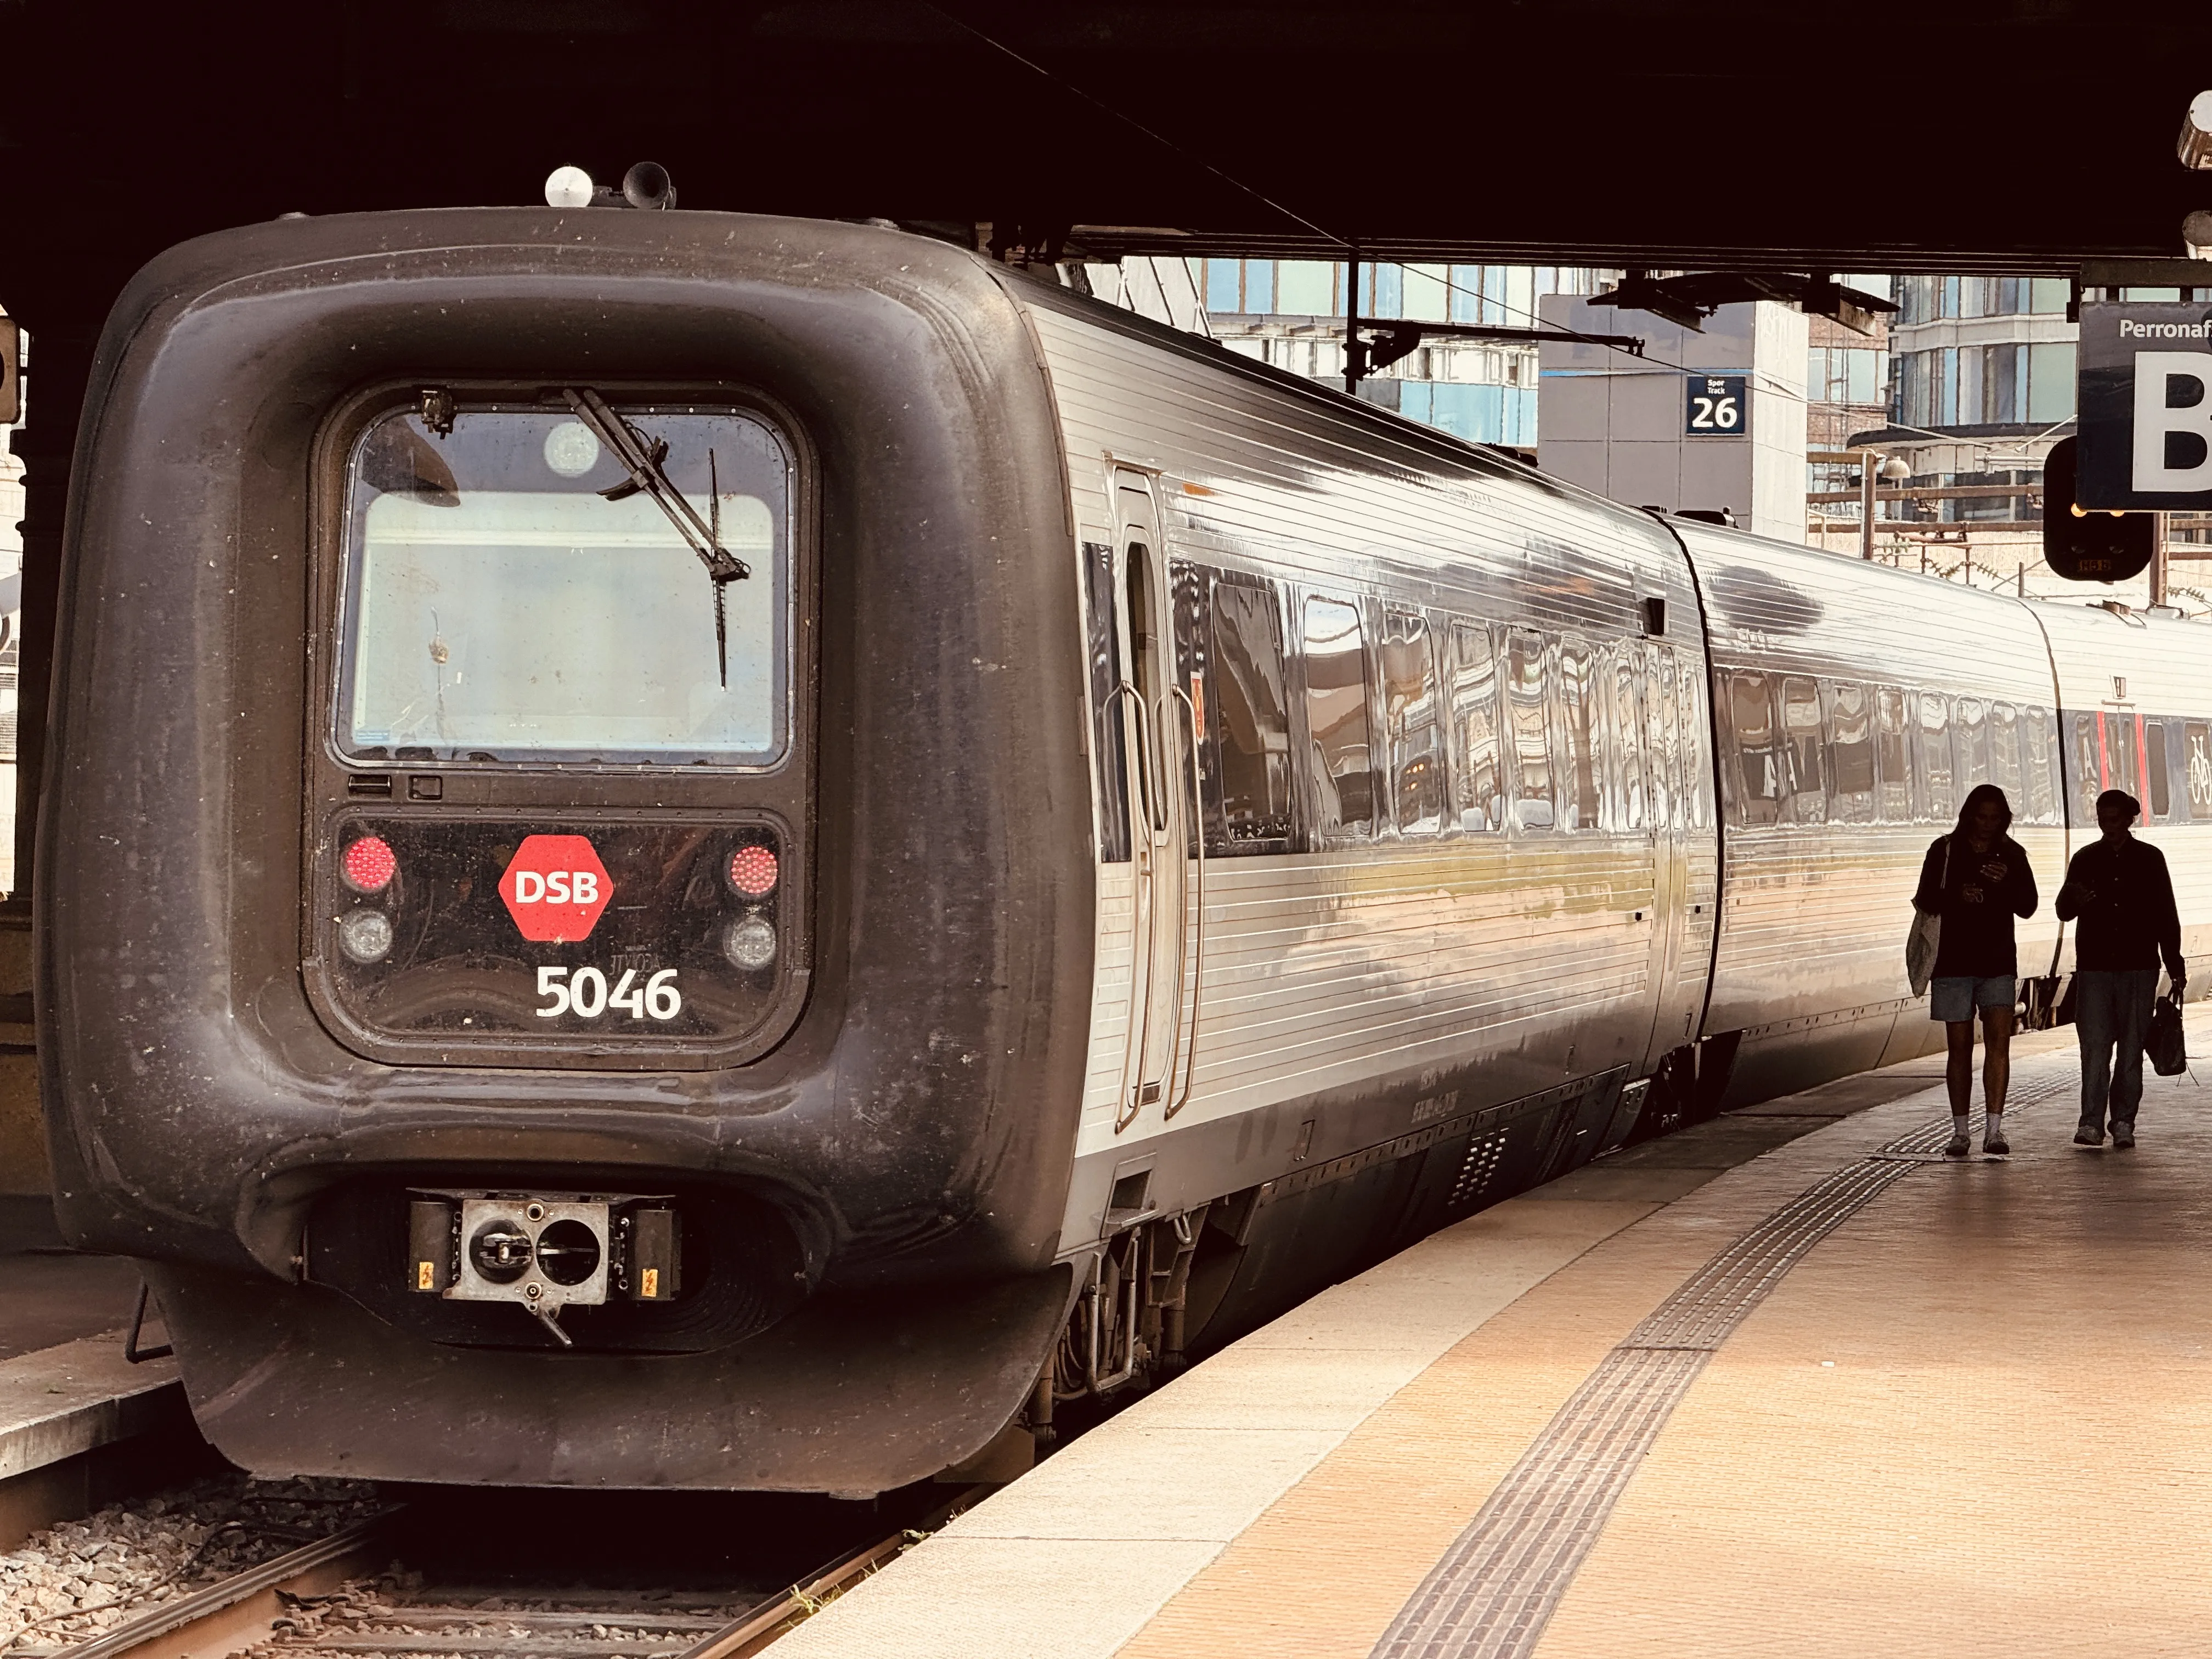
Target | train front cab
(553,912)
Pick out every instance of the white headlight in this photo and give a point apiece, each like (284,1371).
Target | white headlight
(750,943)
(569,187)
(365,935)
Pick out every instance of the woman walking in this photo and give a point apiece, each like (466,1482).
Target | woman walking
(1976,879)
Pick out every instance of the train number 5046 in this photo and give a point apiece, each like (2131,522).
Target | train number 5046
(585,993)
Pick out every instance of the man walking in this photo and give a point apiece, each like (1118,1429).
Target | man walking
(2119,888)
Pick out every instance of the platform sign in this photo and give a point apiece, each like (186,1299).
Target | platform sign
(2144,406)
(1719,406)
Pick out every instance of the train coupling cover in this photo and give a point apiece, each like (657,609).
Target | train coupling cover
(544,1251)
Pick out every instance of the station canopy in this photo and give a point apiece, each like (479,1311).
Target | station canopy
(2020,135)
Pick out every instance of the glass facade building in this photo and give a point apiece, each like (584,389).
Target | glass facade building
(1291,312)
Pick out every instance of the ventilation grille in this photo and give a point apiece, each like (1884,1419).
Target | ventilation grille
(1484,1154)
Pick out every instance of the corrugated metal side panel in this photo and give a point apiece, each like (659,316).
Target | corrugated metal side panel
(2167,667)
(1770,605)
(1109,1004)
(1814,916)
(2167,664)
(1326,970)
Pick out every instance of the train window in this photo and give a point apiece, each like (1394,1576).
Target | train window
(1248,719)
(1474,720)
(1532,744)
(1415,723)
(1661,742)
(1892,755)
(2157,781)
(1759,763)
(2036,755)
(498,605)
(2004,754)
(1804,752)
(1336,716)
(1851,753)
(1696,752)
(2089,766)
(2197,766)
(1970,744)
(1108,743)
(1578,802)
(2122,770)
(1937,800)
(1628,740)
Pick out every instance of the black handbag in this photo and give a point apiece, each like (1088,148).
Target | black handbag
(2169,1056)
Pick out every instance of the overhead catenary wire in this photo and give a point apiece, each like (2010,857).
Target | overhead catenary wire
(1351,248)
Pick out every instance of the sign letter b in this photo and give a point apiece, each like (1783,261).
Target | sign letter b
(2173,422)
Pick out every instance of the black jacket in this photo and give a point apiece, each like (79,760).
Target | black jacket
(1977,940)
(2124,898)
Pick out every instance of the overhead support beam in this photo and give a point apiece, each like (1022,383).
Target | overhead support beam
(1688,300)
(1376,344)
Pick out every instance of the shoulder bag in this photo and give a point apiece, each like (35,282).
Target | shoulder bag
(1927,935)
(2169,1055)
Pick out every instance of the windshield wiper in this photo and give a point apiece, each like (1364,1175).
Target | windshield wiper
(642,460)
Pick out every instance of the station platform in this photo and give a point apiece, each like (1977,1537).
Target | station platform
(78,1422)
(1789,1383)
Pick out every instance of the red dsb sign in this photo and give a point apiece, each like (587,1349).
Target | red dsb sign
(555,888)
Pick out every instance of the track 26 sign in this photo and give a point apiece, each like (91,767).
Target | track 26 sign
(1717,405)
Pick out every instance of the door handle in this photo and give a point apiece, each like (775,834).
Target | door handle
(1134,1097)
(1181,1096)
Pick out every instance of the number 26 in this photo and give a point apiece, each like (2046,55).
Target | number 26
(1714,415)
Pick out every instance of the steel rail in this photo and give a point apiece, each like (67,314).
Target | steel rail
(780,1616)
(213,1621)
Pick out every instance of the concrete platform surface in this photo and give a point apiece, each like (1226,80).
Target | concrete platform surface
(50,1294)
(64,1400)
(1787,1384)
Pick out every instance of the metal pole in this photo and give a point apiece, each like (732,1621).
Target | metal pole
(1870,466)
(1351,352)
(2158,562)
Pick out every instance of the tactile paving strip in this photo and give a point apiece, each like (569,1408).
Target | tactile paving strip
(1495,1590)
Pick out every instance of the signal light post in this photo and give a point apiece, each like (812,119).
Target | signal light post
(2084,544)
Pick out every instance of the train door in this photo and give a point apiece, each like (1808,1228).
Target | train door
(1674,1011)
(1155,711)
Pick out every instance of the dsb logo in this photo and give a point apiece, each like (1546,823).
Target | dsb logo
(555,888)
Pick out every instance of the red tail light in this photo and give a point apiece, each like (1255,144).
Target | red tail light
(753,870)
(368,864)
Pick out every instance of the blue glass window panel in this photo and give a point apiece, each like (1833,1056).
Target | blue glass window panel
(1221,285)
(1467,294)
(1259,286)
(1386,291)
(1521,416)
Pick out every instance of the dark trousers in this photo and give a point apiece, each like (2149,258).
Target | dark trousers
(2112,1016)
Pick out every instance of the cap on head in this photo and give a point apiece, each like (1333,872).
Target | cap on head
(2118,800)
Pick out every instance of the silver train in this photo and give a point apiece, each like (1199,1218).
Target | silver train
(1194,834)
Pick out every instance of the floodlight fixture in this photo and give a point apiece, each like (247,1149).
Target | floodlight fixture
(2195,145)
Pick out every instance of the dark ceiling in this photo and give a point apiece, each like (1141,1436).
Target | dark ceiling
(2014,134)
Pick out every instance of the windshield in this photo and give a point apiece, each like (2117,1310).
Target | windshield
(498,607)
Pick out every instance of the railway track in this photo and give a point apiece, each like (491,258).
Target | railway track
(354,1594)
